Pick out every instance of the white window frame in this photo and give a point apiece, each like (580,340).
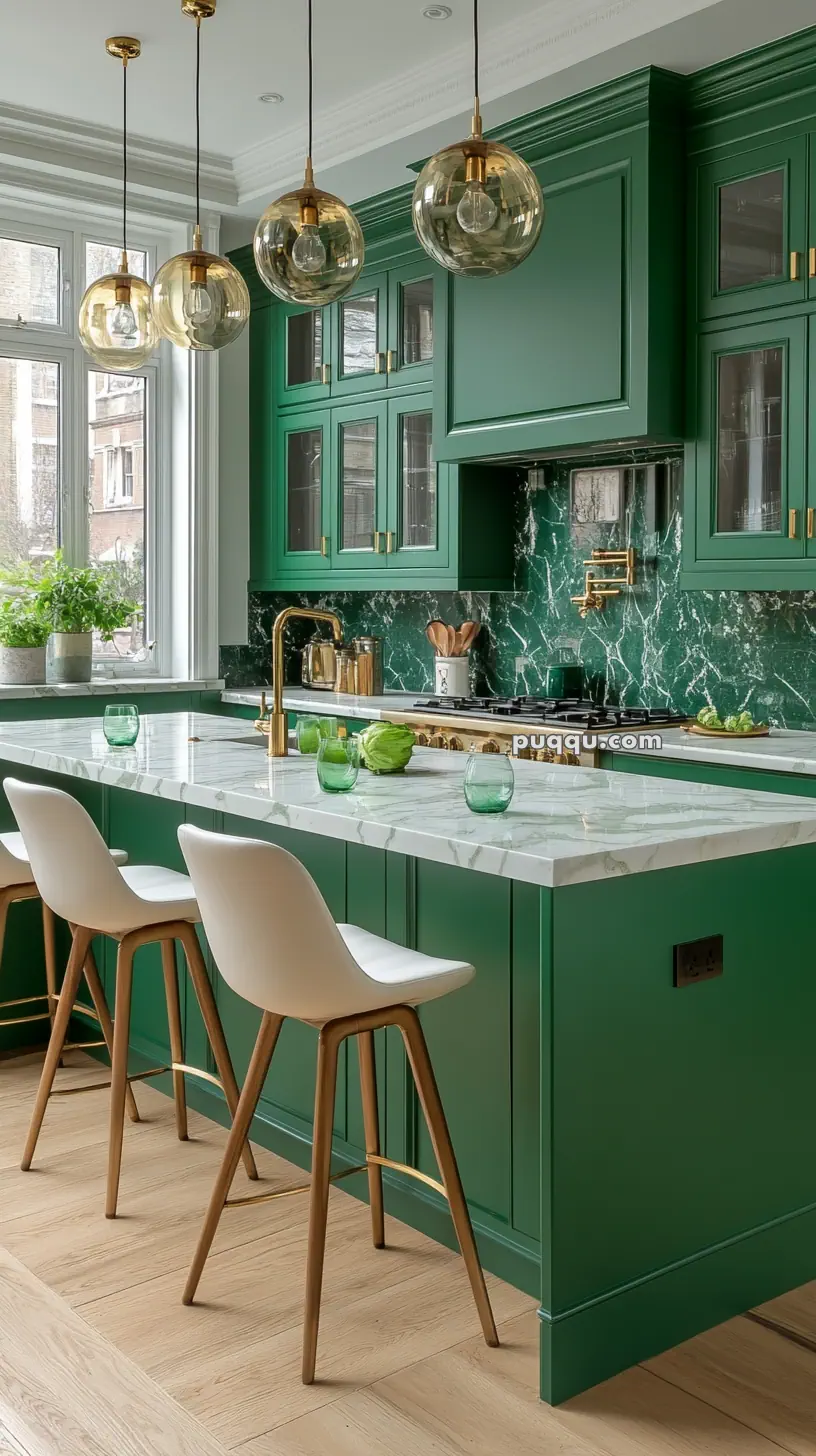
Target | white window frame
(179,566)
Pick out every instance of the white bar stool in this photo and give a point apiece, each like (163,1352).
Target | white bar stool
(276,944)
(17,884)
(134,905)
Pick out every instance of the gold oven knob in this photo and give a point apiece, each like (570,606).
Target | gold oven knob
(422,738)
(455,744)
(489,746)
(543,755)
(437,740)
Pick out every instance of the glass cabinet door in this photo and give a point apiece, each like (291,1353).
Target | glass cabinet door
(303,530)
(303,369)
(360,321)
(410,325)
(359,480)
(754,442)
(753,245)
(417,498)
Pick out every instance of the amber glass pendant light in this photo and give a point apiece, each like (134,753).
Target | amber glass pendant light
(116,322)
(308,245)
(200,301)
(477,208)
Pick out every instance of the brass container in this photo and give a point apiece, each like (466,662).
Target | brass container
(346,678)
(369,666)
(319,664)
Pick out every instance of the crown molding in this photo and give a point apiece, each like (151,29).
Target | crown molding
(36,140)
(514,55)
(747,80)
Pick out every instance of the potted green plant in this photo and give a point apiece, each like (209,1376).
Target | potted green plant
(24,632)
(76,602)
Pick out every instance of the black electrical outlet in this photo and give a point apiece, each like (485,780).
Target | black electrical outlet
(698,960)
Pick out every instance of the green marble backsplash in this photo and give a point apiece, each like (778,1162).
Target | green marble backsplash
(653,645)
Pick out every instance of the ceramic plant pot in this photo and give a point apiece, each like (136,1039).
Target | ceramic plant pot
(71,657)
(22,665)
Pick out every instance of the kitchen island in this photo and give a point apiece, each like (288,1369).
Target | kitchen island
(634,1122)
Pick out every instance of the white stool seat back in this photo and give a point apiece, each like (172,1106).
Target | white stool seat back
(76,875)
(276,944)
(14,866)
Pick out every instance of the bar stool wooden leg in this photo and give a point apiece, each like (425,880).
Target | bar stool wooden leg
(171,989)
(73,976)
(371,1120)
(106,1024)
(414,1037)
(119,1061)
(327,1049)
(242,1121)
(215,1032)
(50,944)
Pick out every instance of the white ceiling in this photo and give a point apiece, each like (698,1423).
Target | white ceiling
(390,84)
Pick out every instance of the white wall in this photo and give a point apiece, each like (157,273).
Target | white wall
(233,501)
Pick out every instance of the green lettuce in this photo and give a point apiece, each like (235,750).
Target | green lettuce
(386,747)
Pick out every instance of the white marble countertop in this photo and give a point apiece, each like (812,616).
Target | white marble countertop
(311,700)
(564,826)
(783,751)
(121,687)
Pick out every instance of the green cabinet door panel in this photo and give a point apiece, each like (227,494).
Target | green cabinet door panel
(753,214)
(303,510)
(303,352)
(419,490)
(360,338)
(358,489)
(411,310)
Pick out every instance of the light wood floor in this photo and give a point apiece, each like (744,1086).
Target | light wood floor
(99,1358)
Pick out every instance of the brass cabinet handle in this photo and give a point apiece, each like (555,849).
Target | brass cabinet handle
(793,524)
(326,373)
(794,267)
(811,523)
(324,545)
(380,364)
(389,542)
(812,263)
(391,360)
(377,538)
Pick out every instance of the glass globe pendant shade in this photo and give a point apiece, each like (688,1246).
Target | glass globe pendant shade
(477,207)
(116,323)
(309,246)
(200,301)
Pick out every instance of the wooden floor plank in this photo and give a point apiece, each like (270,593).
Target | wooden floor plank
(65,1391)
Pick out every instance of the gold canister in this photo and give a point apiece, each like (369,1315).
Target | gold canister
(368,666)
(346,677)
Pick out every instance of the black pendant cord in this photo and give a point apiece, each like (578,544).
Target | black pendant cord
(311,80)
(124,159)
(198,121)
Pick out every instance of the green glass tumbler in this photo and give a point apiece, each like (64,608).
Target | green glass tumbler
(307,733)
(328,727)
(489,782)
(338,764)
(121,724)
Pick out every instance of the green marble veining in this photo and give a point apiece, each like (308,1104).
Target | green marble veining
(653,645)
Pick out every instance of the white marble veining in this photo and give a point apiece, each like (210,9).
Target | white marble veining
(563,827)
(120,687)
(784,750)
(311,700)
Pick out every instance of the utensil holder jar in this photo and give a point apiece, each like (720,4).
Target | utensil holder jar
(453,677)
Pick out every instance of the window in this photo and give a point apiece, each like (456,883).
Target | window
(57,407)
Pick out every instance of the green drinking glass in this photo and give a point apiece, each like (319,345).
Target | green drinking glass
(489,782)
(121,724)
(338,764)
(328,727)
(307,732)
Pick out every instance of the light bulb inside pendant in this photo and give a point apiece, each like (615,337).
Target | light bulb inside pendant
(122,326)
(308,252)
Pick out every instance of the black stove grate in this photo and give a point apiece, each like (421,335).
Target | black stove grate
(580,713)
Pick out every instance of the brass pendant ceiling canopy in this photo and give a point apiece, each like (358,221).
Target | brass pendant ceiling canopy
(116,324)
(477,206)
(200,301)
(309,246)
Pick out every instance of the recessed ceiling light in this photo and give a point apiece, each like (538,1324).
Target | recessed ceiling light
(437,12)
(271,98)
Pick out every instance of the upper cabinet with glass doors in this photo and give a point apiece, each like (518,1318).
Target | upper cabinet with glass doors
(380,336)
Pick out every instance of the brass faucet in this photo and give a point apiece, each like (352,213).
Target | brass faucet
(278,735)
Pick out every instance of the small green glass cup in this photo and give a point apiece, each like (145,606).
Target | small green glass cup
(328,727)
(307,733)
(121,724)
(338,764)
(489,782)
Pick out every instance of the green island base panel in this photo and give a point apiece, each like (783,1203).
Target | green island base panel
(636,1156)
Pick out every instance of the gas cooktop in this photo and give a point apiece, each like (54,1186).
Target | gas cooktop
(558,712)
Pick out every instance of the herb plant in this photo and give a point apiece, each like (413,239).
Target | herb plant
(77,598)
(23,623)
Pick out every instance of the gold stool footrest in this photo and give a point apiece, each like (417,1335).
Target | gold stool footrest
(105,1086)
(82,1046)
(288,1192)
(23,1001)
(404,1168)
(196,1072)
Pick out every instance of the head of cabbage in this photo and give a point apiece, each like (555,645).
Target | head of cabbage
(386,747)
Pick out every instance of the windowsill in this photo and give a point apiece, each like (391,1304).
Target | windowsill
(122,687)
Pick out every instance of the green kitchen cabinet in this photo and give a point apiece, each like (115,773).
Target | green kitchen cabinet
(753,229)
(359,475)
(303,351)
(360,363)
(302,527)
(751,446)
(582,343)
(411,299)
(419,491)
